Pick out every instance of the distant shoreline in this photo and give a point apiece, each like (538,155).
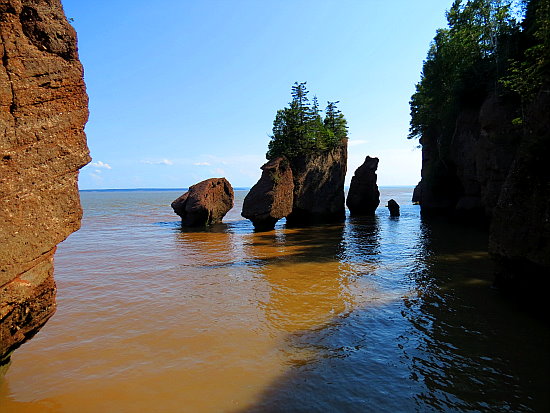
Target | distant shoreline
(185,189)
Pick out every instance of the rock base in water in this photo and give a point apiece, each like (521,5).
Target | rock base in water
(205,203)
(319,188)
(363,196)
(394,208)
(272,197)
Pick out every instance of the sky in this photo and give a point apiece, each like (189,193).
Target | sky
(181,91)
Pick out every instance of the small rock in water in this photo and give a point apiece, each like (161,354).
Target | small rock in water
(394,208)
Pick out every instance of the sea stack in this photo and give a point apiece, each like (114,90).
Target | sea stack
(363,196)
(205,203)
(394,208)
(272,197)
(319,187)
(43,110)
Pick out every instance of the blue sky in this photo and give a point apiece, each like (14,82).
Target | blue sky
(181,91)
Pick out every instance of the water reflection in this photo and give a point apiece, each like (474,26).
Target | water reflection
(375,314)
(456,321)
(308,285)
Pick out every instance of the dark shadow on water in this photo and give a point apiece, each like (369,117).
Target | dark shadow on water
(448,343)
(221,227)
(451,344)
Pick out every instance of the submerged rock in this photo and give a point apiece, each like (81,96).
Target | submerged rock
(272,197)
(363,196)
(393,206)
(205,203)
(319,187)
(43,110)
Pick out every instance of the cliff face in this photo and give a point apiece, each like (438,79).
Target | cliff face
(495,172)
(319,187)
(520,229)
(43,110)
(465,178)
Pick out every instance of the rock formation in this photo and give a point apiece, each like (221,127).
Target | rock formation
(520,227)
(363,195)
(205,203)
(417,194)
(272,197)
(308,190)
(469,180)
(393,206)
(43,110)
(319,187)
(496,173)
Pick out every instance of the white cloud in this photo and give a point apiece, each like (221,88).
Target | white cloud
(355,142)
(202,164)
(100,164)
(161,162)
(97,179)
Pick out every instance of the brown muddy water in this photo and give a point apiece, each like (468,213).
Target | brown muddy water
(373,315)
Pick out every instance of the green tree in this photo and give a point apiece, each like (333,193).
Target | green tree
(528,73)
(299,129)
(464,62)
(336,125)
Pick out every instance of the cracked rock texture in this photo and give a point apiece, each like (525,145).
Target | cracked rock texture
(43,110)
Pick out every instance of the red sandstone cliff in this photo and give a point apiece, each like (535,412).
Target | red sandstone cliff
(43,110)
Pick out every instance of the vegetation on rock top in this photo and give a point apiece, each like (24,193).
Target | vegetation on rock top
(484,49)
(299,129)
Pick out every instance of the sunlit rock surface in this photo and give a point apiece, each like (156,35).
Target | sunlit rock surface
(319,187)
(43,110)
(205,203)
(272,197)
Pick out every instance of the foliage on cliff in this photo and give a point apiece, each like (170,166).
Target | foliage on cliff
(299,129)
(484,49)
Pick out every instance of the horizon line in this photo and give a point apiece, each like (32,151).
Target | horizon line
(237,188)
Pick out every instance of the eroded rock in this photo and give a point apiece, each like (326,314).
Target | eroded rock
(319,187)
(417,194)
(364,196)
(272,197)
(393,206)
(43,110)
(205,203)
(520,229)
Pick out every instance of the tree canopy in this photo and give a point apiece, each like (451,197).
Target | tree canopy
(299,129)
(483,49)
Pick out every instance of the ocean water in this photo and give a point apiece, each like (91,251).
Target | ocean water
(373,315)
